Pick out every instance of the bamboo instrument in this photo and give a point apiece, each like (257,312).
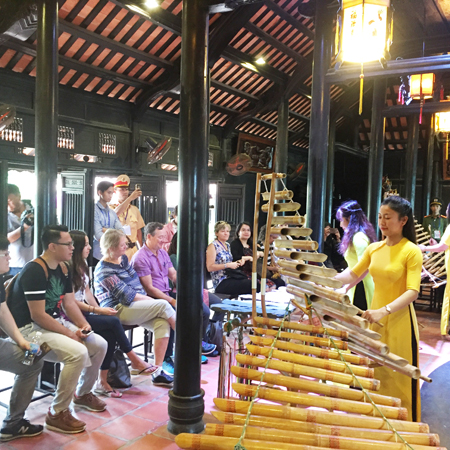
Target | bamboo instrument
(279,207)
(287,220)
(268,176)
(300,327)
(337,366)
(317,270)
(307,371)
(374,345)
(300,384)
(351,310)
(291,231)
(298,438)
(279,195)
(331,322)
(300,256)
(352,320)
(430,439)
(307,400)
(309,350)
(303,245)
(324,281)
(320,342)
(319,417)
(290,265)
(311,288)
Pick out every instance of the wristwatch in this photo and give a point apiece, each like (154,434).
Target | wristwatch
(388,309)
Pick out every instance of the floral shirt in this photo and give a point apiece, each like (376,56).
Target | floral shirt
(223,256)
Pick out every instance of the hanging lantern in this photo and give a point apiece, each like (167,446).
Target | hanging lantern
(422,86)
(442,122)
(363,33)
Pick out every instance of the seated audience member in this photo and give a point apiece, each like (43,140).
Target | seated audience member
(20,230)
(169,230)
(102,320)
(226,277)
(128,214)
(117,286)
(11,356)
(155,269)
(273,271)
(104,217)
(35,303)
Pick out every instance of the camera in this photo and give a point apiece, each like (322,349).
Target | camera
(27,220)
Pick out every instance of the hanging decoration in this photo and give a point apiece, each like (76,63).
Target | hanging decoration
(422,87)
(364,33)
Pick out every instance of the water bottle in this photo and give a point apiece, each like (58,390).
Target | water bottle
(34,350)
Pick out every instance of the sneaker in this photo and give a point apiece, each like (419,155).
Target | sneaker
(214,353)
(168,367)
(204,359)
(207,348)
(90,402)
(64,422)
(162,380)
(23,429)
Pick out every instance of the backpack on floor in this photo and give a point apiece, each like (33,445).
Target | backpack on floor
(119,376)
(214,334)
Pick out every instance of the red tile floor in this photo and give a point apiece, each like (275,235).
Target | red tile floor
(138,420)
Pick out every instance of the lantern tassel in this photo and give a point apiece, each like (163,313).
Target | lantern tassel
(361,89)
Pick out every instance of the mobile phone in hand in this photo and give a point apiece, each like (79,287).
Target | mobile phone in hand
(137,187)
(87,332)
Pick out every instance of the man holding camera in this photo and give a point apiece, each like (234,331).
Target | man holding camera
(20,230)
(129,216)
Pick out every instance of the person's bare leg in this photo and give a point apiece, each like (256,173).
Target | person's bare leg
(103,378)
(172,322)
(160,349)
(136,362)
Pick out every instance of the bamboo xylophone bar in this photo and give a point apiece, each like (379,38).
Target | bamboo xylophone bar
(288,220)
(302,245)
(279,207)
(317,270)
(279,195)
(310,288)
(352,320)
(351,310)
(324,281)
(331,322)
(291,231)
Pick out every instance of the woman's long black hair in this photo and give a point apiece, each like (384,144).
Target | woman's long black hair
(403,208)
(78,264)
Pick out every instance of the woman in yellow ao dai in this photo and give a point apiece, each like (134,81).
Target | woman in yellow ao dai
(395,265)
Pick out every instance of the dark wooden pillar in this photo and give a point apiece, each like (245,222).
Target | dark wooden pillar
(330,170)
(46,117)
(4,197)
(376,154)
(320,117)
(281,154)
(186,405)
(428,169)
(411,159)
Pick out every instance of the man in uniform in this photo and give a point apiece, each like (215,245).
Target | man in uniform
(128,214)
(435,224)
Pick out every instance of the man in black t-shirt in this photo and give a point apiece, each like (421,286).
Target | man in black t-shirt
(11,356)
(42,300)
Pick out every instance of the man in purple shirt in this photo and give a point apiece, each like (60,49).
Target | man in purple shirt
(155,269)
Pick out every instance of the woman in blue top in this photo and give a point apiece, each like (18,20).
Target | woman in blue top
(226,277)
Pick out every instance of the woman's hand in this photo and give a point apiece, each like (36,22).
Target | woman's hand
(375,315)
(233,265)
(422,247)
(433,241)
(260,254)
(106,311)
(246,258)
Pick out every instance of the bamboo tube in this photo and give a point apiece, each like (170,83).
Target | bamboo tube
(332,322)
(372,344)
(279,195)
(288,220)
(307,400)
(303,245)
(301,384)
(287,254)
(439,261)
(255,247)
(431,439)
(298,438)
(300,256)
(307,371)
(320,342)
(278,207)
(351,310)
(409,370)
(308,350)
(389,356)
(433,257)
(324,281)
(320,291)
(319,417)
(291,231)
(317,270)
(269,176)
(352,320)
(336,366)
(300,327)
(290,265)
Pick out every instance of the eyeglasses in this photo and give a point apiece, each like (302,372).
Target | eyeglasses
(5,254)
(67,244)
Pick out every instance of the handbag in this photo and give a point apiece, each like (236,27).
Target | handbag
(214,333)
(119,374)
(235,274)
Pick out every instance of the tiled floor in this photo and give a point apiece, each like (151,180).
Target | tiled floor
(138,420)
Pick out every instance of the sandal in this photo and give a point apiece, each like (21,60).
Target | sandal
(100,390)
(147,371)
